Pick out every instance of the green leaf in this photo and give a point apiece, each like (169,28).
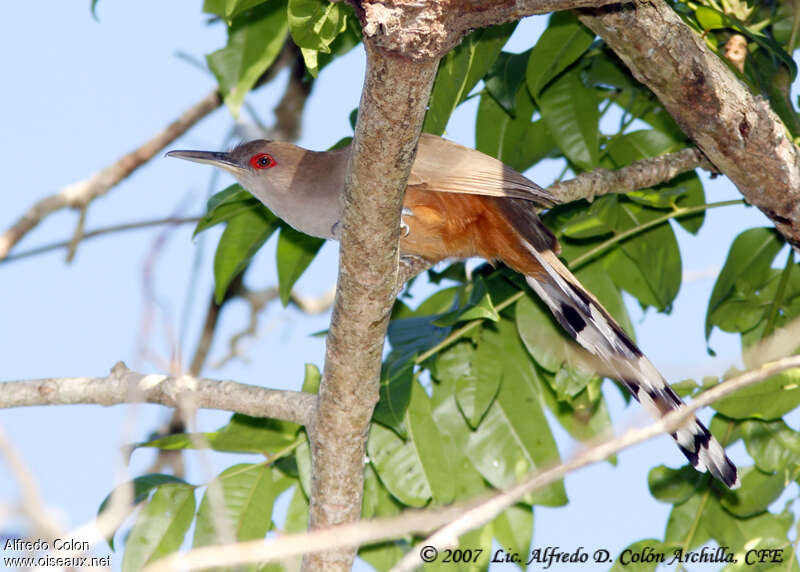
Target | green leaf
(227,204)
(160,526)
(513,529)
(673,486)
(455,433)
(315,24)
(709,19)
(749,259)
(92,9)
(384,555)
(242,434)
(255,39)
(478,306)
(514,140)
(758,491)
(768,399)
(397,376)
(295,252)
(560,45)
(248,492)
(514,437)
(244,234)
(311,379)
(546,341)
(377,499)
(686,523)
(142,487)
(569,109)
(235,7)
(460,70)
(648,265)
(416,470)
(774,445)
(505,77)
(476,385)
(763,531)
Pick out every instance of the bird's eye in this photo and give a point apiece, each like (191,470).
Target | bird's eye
(262,161)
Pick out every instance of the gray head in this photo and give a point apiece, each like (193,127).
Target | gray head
(265,168)
(301,187)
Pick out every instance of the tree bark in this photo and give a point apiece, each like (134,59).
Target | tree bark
(736,130)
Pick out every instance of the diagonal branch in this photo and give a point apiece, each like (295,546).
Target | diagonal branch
(80,194)
(641,174)
(126,386)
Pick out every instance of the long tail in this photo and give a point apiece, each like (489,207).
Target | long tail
(592,327)
(585,319)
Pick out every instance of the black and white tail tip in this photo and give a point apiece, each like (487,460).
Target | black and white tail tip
(582,316)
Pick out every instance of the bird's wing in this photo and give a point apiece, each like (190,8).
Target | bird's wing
(444,166)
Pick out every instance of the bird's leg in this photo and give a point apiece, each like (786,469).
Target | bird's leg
(403,225)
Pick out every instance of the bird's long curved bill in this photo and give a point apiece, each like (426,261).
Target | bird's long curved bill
(215,158)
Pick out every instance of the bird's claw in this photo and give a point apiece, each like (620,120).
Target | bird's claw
(405,229)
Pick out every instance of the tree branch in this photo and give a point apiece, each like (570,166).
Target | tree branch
(423,30)
(80,194)
(456,519)
(736,130)
(126,386)
(641,174)
(391,111)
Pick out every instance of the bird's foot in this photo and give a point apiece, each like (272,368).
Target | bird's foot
(403,225)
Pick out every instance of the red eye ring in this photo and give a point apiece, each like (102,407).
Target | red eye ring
(262,161)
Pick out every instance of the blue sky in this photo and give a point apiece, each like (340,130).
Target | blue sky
(77,95)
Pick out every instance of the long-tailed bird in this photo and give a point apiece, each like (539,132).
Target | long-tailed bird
(461,203)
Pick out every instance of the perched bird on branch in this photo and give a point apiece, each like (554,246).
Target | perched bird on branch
(461,203)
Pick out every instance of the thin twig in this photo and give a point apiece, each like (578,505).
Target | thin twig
(138,225)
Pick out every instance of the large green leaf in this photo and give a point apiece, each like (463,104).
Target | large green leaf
(514,437)
(569,109)
(242,434)
(455,432)
(417,469)
(397,377)
(295,252)
(673,486)
(768,399)
(315,24)
(227,9)
(142,487)
(515,140)
(255,39)
(774,445)
(504,79)
(248,492)
(226,204)
(560,45)
(160,526)
(513,529)
(757,492)
(476,373)
(460,70)
(749,259)
(648,265)
(549,345)
(244,234)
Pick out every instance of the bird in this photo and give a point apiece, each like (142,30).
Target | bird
(462,203)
